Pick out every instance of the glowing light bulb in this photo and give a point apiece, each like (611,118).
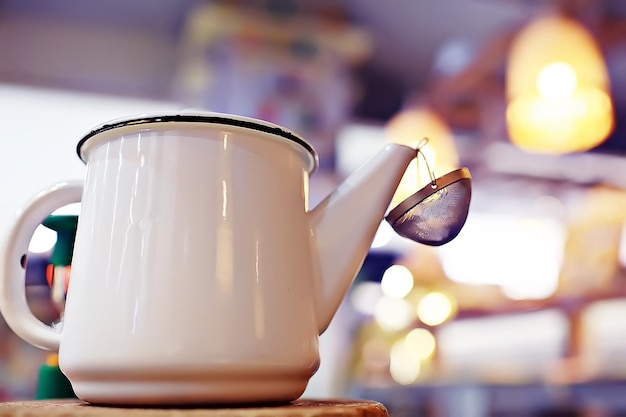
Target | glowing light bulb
(435,308)
(420,341)
(556,81)
(397,281)
(557,88)
(410,127)
(404,364)
(393,314)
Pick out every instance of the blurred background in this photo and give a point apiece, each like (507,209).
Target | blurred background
(524,313)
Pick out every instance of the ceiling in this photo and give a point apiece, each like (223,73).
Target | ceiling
(412,40)
(452,50)
(407,35)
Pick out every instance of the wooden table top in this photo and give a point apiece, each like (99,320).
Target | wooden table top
(299,408)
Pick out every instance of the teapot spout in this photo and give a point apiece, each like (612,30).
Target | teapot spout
(344,224)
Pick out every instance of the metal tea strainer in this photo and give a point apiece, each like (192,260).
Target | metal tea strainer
(435,214)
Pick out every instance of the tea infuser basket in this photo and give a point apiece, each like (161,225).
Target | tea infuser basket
(435,214)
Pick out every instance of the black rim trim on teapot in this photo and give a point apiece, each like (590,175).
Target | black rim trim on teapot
(245,122)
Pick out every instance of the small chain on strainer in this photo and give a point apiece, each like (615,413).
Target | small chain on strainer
(431,174)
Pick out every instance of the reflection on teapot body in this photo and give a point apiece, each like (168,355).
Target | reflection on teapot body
(199,273)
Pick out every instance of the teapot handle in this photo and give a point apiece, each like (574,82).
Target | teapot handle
(13,304)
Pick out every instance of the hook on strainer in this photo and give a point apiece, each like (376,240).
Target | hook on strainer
(435,214)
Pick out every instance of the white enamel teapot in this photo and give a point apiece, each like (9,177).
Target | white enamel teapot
(199,273)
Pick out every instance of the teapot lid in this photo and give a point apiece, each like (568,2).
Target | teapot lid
(198,116)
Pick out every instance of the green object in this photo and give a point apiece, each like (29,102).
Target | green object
(65,226)
(51,383)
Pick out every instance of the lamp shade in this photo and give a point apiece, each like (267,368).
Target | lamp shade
(411,126)
(557,88)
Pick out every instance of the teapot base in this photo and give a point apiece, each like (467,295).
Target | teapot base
(222,390)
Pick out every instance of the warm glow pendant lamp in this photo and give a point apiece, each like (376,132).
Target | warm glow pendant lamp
(557,88)
(410,127)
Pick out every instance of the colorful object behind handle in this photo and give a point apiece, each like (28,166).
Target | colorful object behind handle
(58,271)
(51,382)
